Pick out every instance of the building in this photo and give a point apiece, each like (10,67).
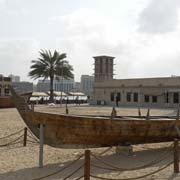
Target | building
(4,86)
(14,78)
(77,87)
(65,85)
(87,84)
(5,100)
(147,92)
(23,87)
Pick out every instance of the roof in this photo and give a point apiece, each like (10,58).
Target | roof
(76,93)
(36,94)
(58,93)
(103,56)
(140,82)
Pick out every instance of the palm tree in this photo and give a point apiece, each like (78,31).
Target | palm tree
(51,66)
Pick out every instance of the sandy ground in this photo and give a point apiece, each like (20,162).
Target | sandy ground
(21,163)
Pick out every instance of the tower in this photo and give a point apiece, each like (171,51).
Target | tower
(103,68)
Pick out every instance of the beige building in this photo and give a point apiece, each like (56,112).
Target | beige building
(4,86)
(147,92)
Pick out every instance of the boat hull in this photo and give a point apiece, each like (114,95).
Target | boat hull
(6,102)
(66,131)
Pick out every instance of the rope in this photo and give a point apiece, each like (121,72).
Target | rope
(34,142)
(11,134)
(139,177)
(32,136)
(156,161)
(106,150)
(73,172)
(11,142)
(58,171)
(79,177)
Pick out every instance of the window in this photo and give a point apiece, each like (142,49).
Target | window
(118,97)
(154,99)
(128,97)
(112,96)
(176,97)
(6,91)
(101,65)
(135,97)
(146,98)
(166,97)
(106,65)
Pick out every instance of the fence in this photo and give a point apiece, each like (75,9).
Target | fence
(94,161)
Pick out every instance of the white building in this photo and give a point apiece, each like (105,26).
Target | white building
(23,86)
(14,78)
(87,84)
(65,85)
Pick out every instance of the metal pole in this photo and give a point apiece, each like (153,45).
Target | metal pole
(62,84)
(41,135)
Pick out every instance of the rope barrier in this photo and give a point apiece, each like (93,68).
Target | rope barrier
(11,134)
(106,150)
(35,141)
(114,168)
(58,171)
(139,177)
(79,177)
(7,144)
(32,136)
(75,171)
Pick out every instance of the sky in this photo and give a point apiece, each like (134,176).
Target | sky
(142,35)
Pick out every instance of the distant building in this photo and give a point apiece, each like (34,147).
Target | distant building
(146,92)
(77,87)
(23,87)
(4,85)
(65,85)
(14,78)
(87,84)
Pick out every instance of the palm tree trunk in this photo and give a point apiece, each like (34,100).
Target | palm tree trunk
(51,99)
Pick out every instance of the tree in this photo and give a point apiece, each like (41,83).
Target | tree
(51,66)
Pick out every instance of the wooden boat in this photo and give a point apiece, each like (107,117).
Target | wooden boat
(6,101)
(69,131)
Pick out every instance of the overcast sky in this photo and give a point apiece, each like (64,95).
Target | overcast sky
(143,35)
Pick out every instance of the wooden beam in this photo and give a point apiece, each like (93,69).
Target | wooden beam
(113,113)
(177,116)
(177,130)
(25,137)
(148,114)
(139,112)
(67,110)
(41,135)
(176,156)
(87,165)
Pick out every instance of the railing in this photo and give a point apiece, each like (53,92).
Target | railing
(88,162)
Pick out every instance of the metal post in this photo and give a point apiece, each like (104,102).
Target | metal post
(176,156)
(87,165)
(41,135)
(25,137)
(62,85)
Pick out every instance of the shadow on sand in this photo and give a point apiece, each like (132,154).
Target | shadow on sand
(137,159)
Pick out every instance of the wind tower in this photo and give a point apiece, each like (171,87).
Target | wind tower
(103,68)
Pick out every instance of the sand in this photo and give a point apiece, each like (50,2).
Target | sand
(21,163)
